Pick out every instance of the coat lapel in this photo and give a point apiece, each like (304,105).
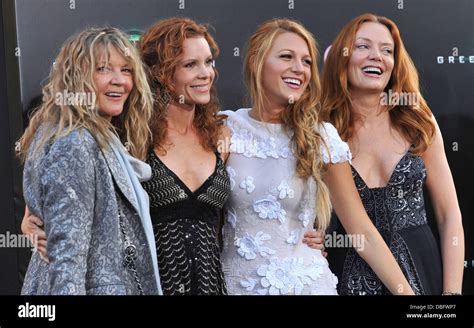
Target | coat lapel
(119,177)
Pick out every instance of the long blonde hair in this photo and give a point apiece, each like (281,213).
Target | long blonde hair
(414,122)
(72,72)
(301,117)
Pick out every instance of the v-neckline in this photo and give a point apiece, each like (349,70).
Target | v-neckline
(391,175)
(180,182)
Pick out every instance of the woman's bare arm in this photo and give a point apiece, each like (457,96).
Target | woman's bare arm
(351,213)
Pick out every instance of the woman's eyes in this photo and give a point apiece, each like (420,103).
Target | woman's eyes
(107,69)
(103,69)
(209,62)
(307,62)
(365,46)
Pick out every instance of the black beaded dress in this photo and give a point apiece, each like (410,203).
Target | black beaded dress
(186,224)
(398,212)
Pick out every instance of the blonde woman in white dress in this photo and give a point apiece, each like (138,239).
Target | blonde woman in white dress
(285,168)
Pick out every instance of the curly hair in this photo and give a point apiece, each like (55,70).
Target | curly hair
(73,71)
(161,48)
(301,117)
(413,121)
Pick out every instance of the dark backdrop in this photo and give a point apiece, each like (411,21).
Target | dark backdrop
(432,31)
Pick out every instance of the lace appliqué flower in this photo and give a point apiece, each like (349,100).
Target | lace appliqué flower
(308,205)
(284,190)
(270,208)
(338,149)
(294,237)
(243,142)
(249,246)
(287,276)
(305,216)
(247,184)
(323,290)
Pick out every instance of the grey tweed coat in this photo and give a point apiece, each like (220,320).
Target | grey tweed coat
(78,189)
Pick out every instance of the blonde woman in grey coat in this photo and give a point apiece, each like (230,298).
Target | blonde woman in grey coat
(80,179)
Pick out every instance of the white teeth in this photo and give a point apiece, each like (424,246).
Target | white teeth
(113,94)
(200,87)
(292,81)
(375,70)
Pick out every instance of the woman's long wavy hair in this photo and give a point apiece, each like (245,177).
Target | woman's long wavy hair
(161,48)
(72,72)
(301,117)
(414,121)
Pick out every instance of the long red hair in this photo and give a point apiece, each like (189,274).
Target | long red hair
(161,47)
(413,121)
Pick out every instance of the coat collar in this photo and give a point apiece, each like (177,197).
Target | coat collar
(119,176)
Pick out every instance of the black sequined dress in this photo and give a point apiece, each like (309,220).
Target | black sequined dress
(186,224)
(398,212)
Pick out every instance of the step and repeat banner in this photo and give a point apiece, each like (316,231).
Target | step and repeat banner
(438,34)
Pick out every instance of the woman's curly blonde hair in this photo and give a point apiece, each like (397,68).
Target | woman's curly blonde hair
(72,72)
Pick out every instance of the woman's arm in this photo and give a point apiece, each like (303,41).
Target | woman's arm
(351,213)
(440,185)
(68,193)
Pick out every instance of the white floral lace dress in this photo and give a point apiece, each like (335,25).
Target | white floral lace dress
(269,210)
